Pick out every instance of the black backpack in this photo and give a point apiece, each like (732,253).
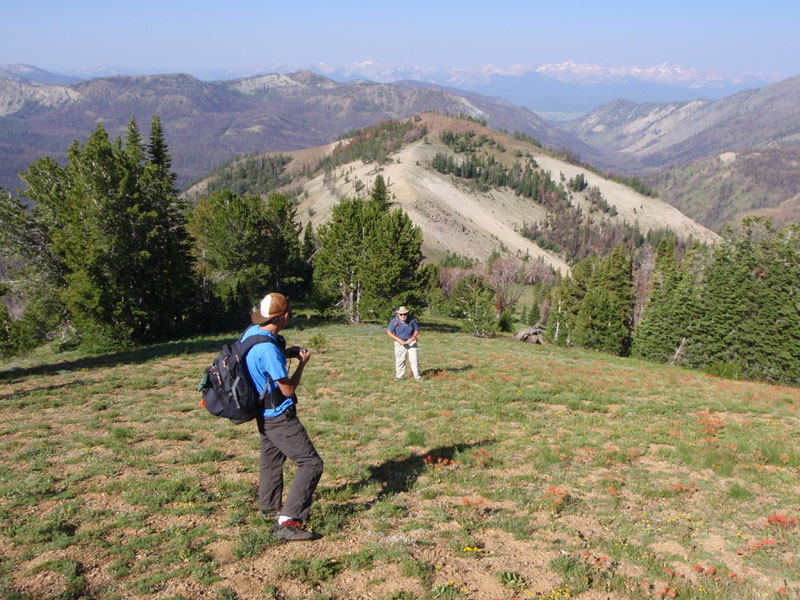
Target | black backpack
(227,388)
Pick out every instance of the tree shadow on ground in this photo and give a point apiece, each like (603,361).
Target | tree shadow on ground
(133,356)
(14,396)
(392,477)
(142,354)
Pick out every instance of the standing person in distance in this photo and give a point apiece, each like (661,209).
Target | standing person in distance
(404,331)
(281,432)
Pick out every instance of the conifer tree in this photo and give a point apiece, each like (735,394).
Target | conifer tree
(379,193)
(368,260)
(112,235)
(392,261)
(593,308)
(472,300)
(566,300)
(534,315)
(338,274)
(232,248)
(600,323)
(749,316)
(309,249)
(658,334)
(8,335)
(283,244)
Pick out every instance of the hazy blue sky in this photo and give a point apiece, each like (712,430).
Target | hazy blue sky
(733,37)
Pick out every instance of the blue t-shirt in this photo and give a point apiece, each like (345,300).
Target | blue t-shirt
(403,330)
(266,359)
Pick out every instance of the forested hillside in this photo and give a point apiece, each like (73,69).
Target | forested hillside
(659,135)
(725,188)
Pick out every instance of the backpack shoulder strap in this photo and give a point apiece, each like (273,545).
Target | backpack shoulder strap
(254,340)
(248,344)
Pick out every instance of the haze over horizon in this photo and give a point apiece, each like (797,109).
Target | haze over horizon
(714,40)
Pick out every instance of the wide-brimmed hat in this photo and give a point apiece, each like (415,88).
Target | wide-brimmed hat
(403,311)
(273,305)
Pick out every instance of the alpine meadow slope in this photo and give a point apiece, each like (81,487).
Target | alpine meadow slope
(512,470)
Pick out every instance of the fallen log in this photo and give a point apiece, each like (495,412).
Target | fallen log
(532,335)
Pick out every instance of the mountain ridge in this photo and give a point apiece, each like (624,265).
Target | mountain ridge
(658,135)
(206,123)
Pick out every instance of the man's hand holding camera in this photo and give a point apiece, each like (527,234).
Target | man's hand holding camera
(302,354)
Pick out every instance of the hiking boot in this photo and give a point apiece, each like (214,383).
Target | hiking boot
(291,531)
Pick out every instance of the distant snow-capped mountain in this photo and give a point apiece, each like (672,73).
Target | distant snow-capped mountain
(555,87)
(571,72)
(566,88)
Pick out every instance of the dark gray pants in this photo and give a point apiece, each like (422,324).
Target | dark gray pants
(285,437)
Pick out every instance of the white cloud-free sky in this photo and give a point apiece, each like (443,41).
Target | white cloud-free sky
(733,37)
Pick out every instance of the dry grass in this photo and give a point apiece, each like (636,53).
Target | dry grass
(512,470)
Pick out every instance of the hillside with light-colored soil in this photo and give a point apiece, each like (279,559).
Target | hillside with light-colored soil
(454,214)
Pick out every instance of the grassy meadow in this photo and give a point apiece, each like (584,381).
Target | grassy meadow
(511,471)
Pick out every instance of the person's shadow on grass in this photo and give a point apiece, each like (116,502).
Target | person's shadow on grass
(392,477)
(399,474)
(438,371)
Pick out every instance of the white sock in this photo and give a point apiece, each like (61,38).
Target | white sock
(282,519)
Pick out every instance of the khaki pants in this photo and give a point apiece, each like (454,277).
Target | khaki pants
(400,352)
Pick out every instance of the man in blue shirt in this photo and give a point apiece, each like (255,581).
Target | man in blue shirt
(281,432)
(404,331)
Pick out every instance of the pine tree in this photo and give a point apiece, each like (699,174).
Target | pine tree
(566,301)
(309,243)
(600,324)
(379,193)
(749,314)
(8,333)
(158,151)
(109,225)
(658,334)
(308,251)
(338,276)
(232,245)
(393,257)
(472,300)
(594,307)
(283,245)
(367,261)
(534,315)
